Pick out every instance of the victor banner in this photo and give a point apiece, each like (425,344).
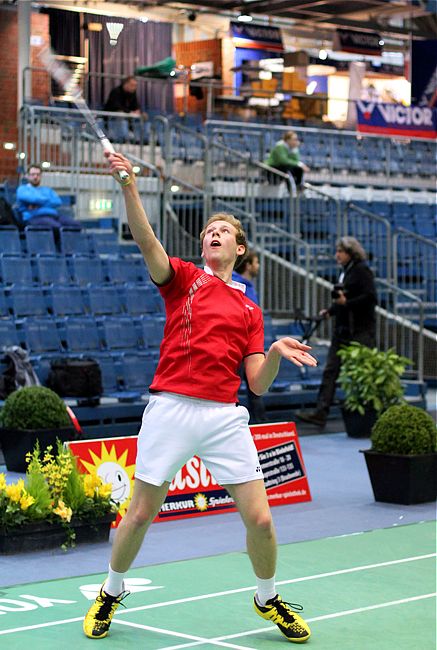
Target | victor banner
(193,491)
(396,120)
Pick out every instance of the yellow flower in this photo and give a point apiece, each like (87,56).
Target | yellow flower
(15,490)
(2,481)
(26,501)
(105,490)
(91,484)
(62,510)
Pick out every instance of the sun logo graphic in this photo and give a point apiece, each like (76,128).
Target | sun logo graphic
(201,501)
(115,470)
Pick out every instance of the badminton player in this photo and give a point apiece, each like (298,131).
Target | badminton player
(211,329)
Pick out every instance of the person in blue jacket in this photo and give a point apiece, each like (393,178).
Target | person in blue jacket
(39,205)
(246,272)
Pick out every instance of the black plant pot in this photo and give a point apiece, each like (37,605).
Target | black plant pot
(402,479)
(357,425)
(15,443)
(43,535)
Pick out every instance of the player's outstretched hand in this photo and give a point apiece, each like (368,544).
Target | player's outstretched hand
(294,351)
(118,163)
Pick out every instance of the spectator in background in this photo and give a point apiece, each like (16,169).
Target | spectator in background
(353,308)
(123,99)
(245,272)
(285,157)
(39,205)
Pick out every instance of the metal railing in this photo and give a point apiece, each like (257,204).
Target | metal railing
(295,236)
(395,330)
(374,234)
(415,267)
(339,156)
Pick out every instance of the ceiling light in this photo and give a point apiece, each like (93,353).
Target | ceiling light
(245,18)
(45,164)
(10,146)
(323,54)
(136,169)
(174,188)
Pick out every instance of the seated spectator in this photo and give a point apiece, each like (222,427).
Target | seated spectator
(39,205)
(246,272)
(123,99)
(285,157)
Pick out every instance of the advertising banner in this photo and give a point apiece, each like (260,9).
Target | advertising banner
(395,119)
(193,491)
(348,40)
(256,36)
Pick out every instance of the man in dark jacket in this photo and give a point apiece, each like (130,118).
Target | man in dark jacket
(353,307)
(123,99)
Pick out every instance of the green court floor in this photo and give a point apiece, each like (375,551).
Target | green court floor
(369,591)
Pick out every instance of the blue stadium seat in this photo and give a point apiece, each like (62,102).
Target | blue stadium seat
(152,330)
(52,270)
(126,269)
(106,242)
(81,334)
(15,270)
(119,333)
(75,241)
(39,241)
(41,335)
(104,300)
(110,375)
(137,371)
(4,310)
(288,374)
(87,270)
(141,299)
(8,333)
(426,228)
(28,301)
(67,301)
(10,240)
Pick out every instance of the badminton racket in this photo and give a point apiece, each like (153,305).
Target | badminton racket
(64,78)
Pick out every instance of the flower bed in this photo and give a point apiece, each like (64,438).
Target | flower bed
(54,497)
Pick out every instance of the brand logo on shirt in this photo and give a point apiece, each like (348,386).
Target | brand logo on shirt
(249,307)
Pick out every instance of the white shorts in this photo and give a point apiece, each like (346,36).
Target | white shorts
(175,428)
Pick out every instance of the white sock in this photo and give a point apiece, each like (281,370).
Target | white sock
(266,590)
(114,583)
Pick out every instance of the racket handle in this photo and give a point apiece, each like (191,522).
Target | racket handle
(106,144)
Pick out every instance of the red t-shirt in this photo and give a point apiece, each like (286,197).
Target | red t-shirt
(210,327)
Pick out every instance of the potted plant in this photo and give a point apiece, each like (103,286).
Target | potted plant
(371,381)
(31,414)
(54,505)
(402,462)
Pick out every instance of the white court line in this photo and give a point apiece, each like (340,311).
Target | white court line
(198,639)
(346,612)
(315,576)
(364,567)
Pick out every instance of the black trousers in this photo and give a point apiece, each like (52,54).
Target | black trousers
(332,369)
(295,171)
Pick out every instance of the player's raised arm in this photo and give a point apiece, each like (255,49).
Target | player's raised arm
(153,251)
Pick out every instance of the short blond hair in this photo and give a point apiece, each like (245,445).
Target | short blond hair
(229,218)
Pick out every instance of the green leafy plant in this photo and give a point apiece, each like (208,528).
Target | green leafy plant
(370,378)
(406,430)
(34,407)
(55,491)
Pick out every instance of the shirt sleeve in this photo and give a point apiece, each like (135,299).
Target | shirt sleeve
(183,277)
(255,343)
